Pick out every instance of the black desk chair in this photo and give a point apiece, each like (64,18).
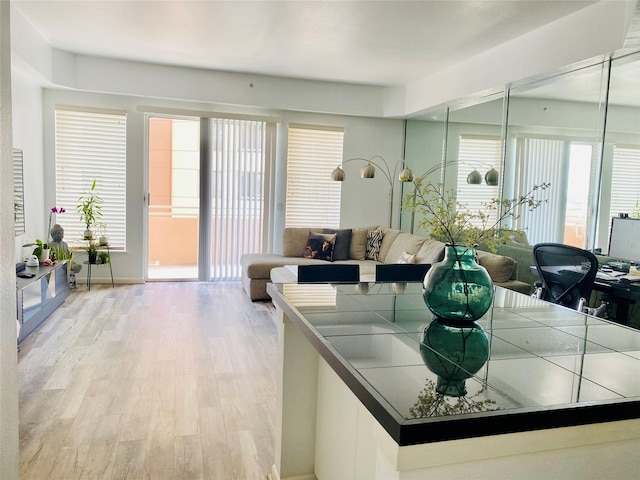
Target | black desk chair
(567,274)
(401,272)
(330,273)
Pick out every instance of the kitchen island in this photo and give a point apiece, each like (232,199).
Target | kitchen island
(558,395)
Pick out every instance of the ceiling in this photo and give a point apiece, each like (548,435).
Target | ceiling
(384,43)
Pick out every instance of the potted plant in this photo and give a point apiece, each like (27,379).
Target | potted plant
(103,239)
(103,258)
(458,289)
(92,251)
(90,210)
(41,249)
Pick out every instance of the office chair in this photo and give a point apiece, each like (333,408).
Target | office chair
(401,272)
(567,274)
(330,273)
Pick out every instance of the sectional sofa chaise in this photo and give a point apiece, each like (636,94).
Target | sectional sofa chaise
(351,248)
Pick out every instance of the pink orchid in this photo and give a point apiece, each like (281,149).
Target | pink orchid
(53,210)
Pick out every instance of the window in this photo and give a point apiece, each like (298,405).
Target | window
(312,197)
(481,154)
(91,145)
(541,160)
(625,178)
(567,165)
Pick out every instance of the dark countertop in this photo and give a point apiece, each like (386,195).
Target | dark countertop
(548,366)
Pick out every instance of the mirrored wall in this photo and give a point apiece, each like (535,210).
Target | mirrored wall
(578,130)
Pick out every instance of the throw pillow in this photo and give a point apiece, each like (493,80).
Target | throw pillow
(374,240)
(406,258)
(343,243)
(320,246)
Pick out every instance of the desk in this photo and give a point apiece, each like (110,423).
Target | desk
(623,295)
(350,371)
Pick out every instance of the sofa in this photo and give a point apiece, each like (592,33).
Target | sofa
(258,269)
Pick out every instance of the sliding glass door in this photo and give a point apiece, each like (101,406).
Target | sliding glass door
(173,199)
(207,195)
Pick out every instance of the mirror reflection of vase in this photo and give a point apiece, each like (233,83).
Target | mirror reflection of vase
(454,353)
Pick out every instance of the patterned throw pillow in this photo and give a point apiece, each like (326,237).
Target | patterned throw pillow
(320,246)
(406,258)
(374,240)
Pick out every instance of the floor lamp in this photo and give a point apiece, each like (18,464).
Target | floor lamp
(491,177)
(369,171)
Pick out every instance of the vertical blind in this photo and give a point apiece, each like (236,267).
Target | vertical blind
(312,197)
(479,153)
(91,145)
(239,151)
(542,160)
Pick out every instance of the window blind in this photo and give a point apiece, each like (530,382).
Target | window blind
(91,145)
(625,178)
(479,153)
(312,197)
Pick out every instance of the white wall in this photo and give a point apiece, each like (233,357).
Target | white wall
(363,202)
(27,136)
(8,351)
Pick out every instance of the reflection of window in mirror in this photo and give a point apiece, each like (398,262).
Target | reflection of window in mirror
(621,155)
(18,192)
(554,134)
(476,157)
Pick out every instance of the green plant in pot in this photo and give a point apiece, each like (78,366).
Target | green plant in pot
(458,289)
(103,258)
(90,210)
(40,248)
(92,251)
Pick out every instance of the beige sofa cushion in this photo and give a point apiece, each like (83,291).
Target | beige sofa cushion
(431,251)
(390,236)
(294,241)
(358,247)
(500,268)
(404,242)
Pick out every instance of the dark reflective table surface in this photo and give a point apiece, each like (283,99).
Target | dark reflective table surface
(541,357)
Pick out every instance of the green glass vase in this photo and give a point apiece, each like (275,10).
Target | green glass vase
(454,353)
(457,288)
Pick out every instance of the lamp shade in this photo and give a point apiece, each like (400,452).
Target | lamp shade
(474,178)
(492,177)
(406,175)
(337,175)
(368,171)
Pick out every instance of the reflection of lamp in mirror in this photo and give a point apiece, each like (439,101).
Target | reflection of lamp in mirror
(368,171)
(491,177)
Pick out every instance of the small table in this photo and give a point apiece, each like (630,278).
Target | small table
(88,263)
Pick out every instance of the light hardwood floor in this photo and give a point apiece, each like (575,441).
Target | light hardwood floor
(157,381)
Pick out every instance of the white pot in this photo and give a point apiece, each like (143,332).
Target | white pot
(45,254)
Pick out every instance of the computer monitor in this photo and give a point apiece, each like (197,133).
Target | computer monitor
(624,239)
